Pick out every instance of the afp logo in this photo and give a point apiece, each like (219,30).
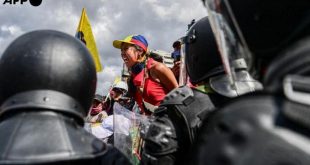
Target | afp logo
(14,2)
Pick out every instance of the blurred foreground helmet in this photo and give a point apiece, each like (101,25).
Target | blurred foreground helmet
(47,70)
(202,57)
(258,129)
(262,27)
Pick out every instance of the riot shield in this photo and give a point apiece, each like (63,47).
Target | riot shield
(127,127)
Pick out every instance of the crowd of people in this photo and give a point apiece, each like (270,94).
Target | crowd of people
(245,100)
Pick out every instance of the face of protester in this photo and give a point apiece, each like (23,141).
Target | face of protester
(130,54)
(116,93)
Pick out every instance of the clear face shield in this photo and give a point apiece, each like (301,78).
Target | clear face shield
(183,78)
(232,46)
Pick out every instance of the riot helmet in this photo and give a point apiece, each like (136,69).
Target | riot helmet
(201,52)
(50,70)
(226,74)
(261,27)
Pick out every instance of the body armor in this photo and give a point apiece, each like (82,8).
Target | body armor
(271,127)
(256,129)
(175,124)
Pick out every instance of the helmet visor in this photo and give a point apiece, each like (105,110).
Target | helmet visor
(183,78)
(231,43)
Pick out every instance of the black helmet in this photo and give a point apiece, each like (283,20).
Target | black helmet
(47,70)
(265,27)
(202,57)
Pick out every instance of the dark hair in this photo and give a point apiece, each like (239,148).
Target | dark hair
(156,57)
(176,44)
(119,90)
(138,47)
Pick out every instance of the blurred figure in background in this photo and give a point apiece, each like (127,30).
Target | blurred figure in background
(176,54)
(119,89)
(96,114)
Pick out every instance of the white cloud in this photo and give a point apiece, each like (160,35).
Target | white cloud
(106,78)
(13,30)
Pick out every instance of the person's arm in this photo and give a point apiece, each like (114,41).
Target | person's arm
(176,69)
(165,76)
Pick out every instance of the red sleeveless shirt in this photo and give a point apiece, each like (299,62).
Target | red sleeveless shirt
(153,91)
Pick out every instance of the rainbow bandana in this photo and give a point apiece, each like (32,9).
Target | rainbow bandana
(138,40)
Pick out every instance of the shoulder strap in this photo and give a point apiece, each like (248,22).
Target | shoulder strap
(144,75)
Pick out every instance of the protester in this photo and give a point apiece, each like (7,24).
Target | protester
(269,127)
(176,69)
(128,102)
(48,81)
(118,90)
(150,80)
(96,114)
(176,54)
(178,118)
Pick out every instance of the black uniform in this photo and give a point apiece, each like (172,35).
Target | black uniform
(256,129)
(269,127)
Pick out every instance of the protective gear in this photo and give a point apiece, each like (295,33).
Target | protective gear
(183,78)
(179,117)
(258,29)
(256,129)
(203,60)
(121,85)
(293,61)
(176,122)
(276,120)
(48,81)
(269,127)
(245,84)
(41,74)
(201,53)
(261,26)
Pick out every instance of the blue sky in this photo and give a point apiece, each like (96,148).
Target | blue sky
(160,21)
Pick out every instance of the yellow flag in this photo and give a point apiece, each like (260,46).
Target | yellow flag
(85,34)
(116,80)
